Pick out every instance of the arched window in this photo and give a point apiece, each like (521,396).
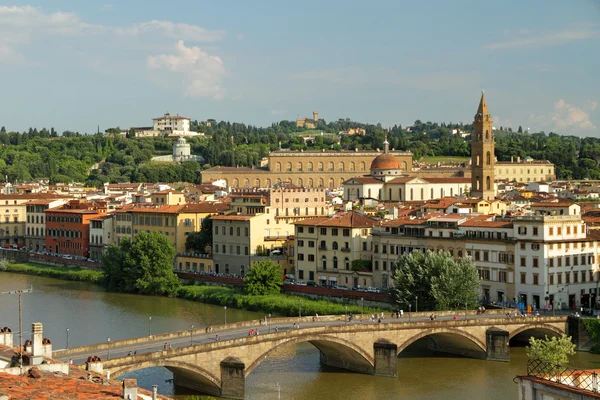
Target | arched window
(342,180)
(310,182)
(431,197)
(352,166)
(310,167)
(488,183)
(341,167)
(300,182)
(246,182)
(331,167)
(422,194)
(487,134)
(321,182)
(477,160)
(389,194)
(334,246)
(488,158)
(324,262)
(404,165)
(268,182)
(278,167)
(257,182)
(299,167)
(335,262)
(441,192)
(346,263)
(363,166)
(320,166)
(412,197)
(331,183)
(288,167)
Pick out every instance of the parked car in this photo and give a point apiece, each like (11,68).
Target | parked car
(289,281)
(67,257)
(277,252)
(300,283)
(311,283)
(371,289)
(342,287)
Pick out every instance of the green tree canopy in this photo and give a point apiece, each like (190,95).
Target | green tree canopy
(264,277)
(554,351)
(198,242)
(144,265)
(440,281)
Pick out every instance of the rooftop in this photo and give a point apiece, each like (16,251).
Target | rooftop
(350,219)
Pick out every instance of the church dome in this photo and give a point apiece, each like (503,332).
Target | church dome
(385,161)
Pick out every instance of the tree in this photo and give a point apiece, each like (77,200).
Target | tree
(438,280)
(198,242)
(144,265)
(520,129)
(554,351)
(263,278)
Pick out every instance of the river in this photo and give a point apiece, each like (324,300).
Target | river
(93,315)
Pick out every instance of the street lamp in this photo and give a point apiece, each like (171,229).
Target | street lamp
(149,326)
(416,304)
(362,300)
(409,308)
(225,308)
(108,350)
(299,309)
(67,330)
(269,322)
(465,310)
(191,333)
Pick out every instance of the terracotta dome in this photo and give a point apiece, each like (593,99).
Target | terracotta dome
(385,161)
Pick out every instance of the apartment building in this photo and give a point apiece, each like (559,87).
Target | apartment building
(101,235)
(13,216)
(327,246)
(240,240)
(68,227)
(526,170)
(535,260)
(35,234)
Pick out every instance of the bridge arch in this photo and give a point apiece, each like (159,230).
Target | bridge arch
(448,333)
(195,377)
(537,328)
(334,352)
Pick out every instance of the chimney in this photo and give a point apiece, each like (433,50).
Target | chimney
(130,389)
(6,337)
(518,159)
(154,392)
(37,349)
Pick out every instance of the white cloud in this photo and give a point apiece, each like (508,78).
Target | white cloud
(566,118)
(526,39)
(202,73)
(68,38)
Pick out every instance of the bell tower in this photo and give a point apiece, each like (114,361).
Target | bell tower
(482,154)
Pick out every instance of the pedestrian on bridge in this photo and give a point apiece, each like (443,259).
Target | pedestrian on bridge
(217,338)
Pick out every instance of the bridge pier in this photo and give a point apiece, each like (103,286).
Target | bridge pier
(497,344)
(386,357)
(233,380)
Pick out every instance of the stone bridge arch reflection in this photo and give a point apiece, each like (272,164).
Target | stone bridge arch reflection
(451,341)
(185,374)
(333,351)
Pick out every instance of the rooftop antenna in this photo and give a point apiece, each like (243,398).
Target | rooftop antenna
(19,293)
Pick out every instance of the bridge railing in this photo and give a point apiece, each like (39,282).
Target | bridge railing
(273,322)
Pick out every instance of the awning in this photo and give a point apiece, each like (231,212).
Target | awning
(333,278)
(322,278)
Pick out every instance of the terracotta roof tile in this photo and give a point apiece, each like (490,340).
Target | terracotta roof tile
(346,220)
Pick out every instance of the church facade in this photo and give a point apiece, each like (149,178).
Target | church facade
(389,181)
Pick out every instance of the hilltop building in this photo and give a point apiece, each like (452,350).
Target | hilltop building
(182,151)
(307,122)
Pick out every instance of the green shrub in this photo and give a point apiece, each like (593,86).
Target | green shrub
(279,304)
(65,273)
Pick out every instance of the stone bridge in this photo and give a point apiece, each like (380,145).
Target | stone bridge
(220,367)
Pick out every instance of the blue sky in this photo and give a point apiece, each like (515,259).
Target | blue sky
(79,64)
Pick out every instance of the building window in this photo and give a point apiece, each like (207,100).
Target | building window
(551,277)
(535,231)
(346,232)
(335,262)
(334,246)
(300,257)
(334,232)
(535,279)
(311,243)
(311,258)
(523,262)
(523,278)
(551,231)
(300,243)
(311,230)
(535,262)
(300,229)
(559,277)
(502,276)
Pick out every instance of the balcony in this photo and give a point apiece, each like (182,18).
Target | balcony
(345,249)
(322,247)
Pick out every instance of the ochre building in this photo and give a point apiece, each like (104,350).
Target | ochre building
(328,169)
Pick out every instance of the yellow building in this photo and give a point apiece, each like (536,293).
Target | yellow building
(188,262)
(310,169)
(13,216)
(176,222)
(239,240)
(168,197)
(526,170)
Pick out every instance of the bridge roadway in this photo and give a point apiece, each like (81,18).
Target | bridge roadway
(200,362)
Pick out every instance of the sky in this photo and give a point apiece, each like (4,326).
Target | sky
(79,65)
